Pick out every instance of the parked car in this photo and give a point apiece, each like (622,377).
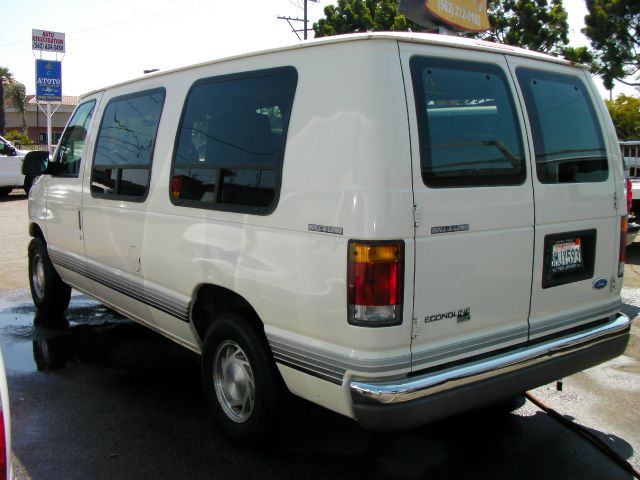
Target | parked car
(397,227)
(631,157)
(632,226)
(11,169)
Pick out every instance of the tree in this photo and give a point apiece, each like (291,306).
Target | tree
(15,136)
(351,16)
(5,76)
(613,27)
(16,91)
(625,113)
(539,25)
(534,24)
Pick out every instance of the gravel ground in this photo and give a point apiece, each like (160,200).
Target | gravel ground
(14,238)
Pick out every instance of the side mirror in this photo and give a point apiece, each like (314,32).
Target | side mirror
(35,163)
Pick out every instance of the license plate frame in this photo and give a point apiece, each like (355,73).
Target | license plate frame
(568,257)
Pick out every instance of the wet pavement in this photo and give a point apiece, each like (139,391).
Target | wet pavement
(98,397)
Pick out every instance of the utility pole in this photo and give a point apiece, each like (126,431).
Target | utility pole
(304,21)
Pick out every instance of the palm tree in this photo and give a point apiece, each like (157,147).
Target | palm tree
(13,89)
(5,76)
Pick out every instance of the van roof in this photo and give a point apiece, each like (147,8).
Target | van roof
(408,37)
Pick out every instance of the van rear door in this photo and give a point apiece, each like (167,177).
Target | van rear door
(474,204)
(577,227)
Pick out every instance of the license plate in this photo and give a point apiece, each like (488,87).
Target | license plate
(566,255)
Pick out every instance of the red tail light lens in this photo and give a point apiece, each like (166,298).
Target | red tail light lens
(176,187)
(375,283)
(624,224)
(629,196)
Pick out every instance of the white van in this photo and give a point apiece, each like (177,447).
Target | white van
(397,227)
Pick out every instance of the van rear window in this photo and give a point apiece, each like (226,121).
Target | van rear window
(468,130)
(567,139)
(231,141)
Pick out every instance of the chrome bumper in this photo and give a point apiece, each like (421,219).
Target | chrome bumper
(488,379)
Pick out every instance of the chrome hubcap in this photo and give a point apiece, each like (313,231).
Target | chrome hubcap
(37,275)
(233,381)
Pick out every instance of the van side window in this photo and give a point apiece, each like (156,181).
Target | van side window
(567,139)
(467,125)
(124,148)
(231,141)
(72,143)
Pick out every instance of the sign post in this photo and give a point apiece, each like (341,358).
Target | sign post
(48,74)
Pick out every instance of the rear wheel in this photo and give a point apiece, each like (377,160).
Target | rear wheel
(240,379)
(50,294)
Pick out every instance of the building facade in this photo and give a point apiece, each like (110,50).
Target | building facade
(34,123)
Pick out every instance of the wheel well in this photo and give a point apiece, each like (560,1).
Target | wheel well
(36,232)
(212,300)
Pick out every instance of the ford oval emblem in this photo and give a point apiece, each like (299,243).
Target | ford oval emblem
(599,283)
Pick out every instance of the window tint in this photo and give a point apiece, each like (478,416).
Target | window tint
(468,130)
(231,141)
(567,139)
(72,144)
(124,149)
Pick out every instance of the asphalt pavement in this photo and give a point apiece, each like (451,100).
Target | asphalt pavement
(99,397)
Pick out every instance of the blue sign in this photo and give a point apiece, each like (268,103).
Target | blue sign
(48,81)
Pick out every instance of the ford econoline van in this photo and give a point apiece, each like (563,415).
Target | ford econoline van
(397,227)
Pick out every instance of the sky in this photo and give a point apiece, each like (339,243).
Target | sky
(108,41)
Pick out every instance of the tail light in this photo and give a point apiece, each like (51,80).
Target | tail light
(176,187)
(629,196)
(624,223)
(375,283)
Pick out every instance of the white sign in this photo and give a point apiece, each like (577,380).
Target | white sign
(47,41)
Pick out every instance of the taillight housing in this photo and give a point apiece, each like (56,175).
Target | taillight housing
(176,187)
(629,196)
(375,283)
(624,225)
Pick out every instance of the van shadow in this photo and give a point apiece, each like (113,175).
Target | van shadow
(630,311)
(132,396)
(633,254)
(15,196)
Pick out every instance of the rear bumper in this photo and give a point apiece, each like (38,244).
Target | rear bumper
(399,405)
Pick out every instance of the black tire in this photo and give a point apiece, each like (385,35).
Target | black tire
(5,191)
(240,380)
(28,182)
(50,294)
